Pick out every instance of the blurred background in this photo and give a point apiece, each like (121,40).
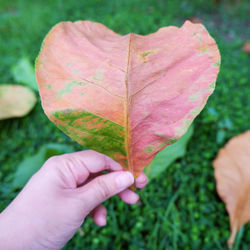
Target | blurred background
(180,208)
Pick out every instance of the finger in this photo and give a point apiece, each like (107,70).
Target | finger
(99,215)
(103,187)
(129,196)
(141,181)
(96,162)
(80,164)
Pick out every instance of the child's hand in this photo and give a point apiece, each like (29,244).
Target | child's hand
(56,200)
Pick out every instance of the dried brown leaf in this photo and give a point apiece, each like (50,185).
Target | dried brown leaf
(232,173)
(246,47)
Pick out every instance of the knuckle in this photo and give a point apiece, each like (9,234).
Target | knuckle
(60,160)
(53,159)
(55,162)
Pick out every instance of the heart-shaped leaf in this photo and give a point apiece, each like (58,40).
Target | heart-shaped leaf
(232,173)
(126,96)
(15,101)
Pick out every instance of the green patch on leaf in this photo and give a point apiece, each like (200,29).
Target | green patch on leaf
(146,53)
(68,88)
(49,86)
(149,149)
(99,74)
(92,131)
(216,64)
(212,86)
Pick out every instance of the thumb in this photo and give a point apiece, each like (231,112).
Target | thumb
(103,187)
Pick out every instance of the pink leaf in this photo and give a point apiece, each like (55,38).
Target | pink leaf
(126,96)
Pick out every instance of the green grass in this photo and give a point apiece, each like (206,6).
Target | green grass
(180,209)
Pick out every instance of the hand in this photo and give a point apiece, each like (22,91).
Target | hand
(57,199)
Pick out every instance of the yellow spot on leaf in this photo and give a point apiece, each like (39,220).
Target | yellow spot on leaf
(216,64)
(143,56)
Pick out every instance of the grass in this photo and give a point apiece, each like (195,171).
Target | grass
(180,209)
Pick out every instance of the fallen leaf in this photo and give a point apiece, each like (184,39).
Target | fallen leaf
(168,155)
(15,101)
(32,164)
(232,173)
(23,72)
(126,96)
(246,47)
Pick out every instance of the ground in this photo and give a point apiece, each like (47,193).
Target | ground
(180,209)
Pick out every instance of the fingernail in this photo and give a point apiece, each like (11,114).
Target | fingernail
(102,221)
(124,180)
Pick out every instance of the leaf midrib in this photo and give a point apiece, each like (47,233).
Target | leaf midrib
(126,111)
